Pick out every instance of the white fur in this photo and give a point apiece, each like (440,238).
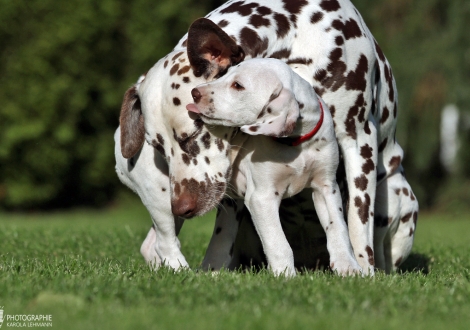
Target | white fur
(268,170)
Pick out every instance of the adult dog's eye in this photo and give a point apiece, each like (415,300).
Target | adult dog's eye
(237,86)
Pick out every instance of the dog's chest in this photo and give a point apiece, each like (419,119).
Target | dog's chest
(266,165)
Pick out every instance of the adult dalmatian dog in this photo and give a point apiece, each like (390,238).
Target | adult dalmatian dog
(189,174)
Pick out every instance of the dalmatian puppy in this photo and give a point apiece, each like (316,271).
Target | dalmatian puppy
(265,97)
(347,69)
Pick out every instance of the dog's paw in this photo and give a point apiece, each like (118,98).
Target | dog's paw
(346,267)
(176,264)
(288,271)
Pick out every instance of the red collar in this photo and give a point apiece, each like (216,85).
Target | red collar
(301,139)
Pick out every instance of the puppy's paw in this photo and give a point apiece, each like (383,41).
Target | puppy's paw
(346,266)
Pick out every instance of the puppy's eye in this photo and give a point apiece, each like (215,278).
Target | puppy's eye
(237,86)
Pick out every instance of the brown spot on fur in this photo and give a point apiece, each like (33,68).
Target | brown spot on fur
(350,121)
(223,23)
(160,139)
(176,56)
(264,10)
(405,191)
(385,114)
(366,151)
(356,80)
(406,217)
(339,40)
(240,8)
(316,17)
(258,20)
(398,262)
(206,140)
(350,28)
(183,70)
(294,7)
(186,80)
(361,182)
(320,75)
(368,166)
(185,158)
(174,68)
(363,207)
(300,60)
(283,25)
(379,52)
(367,128)
(159,148)
(177,189)
(176,101)
(252,43)
(283,53)
(330,5)
(220,144)
(370,254)
(394,163)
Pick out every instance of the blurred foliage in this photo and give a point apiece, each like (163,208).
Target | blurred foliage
(64,67)
(428,45)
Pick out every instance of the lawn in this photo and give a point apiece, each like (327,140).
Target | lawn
(84,269)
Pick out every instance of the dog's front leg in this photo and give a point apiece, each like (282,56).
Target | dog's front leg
(147,175)
(167,245)
(264,209)
(360,160)
(220,250)
(327,200)
(148,249)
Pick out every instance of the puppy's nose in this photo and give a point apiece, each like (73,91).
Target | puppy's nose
(196,95)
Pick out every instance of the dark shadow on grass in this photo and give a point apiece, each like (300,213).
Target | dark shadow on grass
(415,263)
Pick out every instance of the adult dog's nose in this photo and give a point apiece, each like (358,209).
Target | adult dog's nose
(184,205)
(196,95)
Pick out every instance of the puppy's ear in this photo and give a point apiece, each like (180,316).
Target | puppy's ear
(210,50)
(278,117)
(132,124)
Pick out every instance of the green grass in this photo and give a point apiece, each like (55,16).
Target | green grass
(84,268)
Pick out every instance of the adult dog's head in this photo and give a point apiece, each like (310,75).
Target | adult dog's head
(153,110)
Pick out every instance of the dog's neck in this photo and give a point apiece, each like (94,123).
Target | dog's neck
(310,115)
(308,124)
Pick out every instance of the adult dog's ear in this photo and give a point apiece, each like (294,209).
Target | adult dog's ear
(210,50)
(132,124)
(278,117)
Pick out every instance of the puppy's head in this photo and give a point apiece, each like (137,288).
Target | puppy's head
(255,95)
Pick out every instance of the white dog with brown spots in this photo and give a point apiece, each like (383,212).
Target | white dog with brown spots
(299,150)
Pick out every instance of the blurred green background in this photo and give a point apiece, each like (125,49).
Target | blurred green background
(64,67)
